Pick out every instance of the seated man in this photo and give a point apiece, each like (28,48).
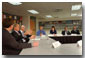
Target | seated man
(75,31)
(66,32)
(16,33)
(9,45)
(26,35)
(41,31)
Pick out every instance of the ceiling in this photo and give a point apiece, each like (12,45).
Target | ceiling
(56,9)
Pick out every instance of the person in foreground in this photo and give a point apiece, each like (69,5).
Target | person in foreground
(65,31)
(75,30)
(41,31)
(9,45)
(53,30)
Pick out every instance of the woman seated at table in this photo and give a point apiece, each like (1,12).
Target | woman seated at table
(53,30)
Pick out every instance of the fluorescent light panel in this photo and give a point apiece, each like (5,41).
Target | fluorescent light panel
(76,7)
(33,11)
(15,3)
(80,15)
(48,16)
(74,14)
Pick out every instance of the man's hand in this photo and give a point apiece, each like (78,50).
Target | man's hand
(26,33)
(32,37)
(41,34)
(30,31)
(35,44)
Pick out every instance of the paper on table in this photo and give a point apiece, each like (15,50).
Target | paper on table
(43,36)
(79,43)
(55,35)
(56,44)
(59,35)
(51,35)
(74,34)
(36,38)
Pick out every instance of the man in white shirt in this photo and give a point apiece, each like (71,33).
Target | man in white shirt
(26,35)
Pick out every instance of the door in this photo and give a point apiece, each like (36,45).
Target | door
(33,26)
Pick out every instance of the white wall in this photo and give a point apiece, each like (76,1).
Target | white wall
(37,25)
(26,22)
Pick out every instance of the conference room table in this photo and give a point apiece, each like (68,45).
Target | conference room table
(46,48)
(66,38)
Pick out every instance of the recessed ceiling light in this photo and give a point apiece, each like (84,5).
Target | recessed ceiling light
(74,14)
(15,3)
(80,15)
(33,11)
(48,16)
(76,7)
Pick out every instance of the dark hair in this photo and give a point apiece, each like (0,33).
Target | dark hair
(53,27)
(41,25)
(15,25)
(7,23)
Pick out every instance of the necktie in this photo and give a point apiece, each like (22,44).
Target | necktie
(18,33)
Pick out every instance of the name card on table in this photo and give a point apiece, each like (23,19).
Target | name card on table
(79,43)
(56,44)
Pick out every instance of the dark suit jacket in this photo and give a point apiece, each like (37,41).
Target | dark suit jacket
(10,46)
(75,32)
(26,38)
(51,32)
(17,36)
(63,32)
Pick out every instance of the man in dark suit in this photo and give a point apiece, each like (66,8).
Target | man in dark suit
(75,31)
(9,45)
(66,32)
(16,33)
